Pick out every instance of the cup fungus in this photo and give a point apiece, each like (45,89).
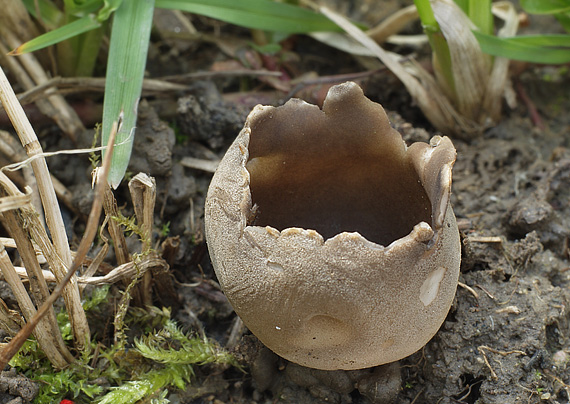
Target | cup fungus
(334,241)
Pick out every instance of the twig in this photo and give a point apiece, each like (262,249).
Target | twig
(482,349)
(469,289)
(532,110)
(82,84)
(337,78)
(485,239)
(200,164)
(486,292)
(493,374)
(226,73)
(125,271)
(418,395)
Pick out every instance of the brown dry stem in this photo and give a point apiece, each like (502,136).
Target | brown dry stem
(10,349)
(119,242)
(54,219)
(44,331)
(143,193)
(15,222)
(393,23)
(122,272)
(482,349)
(30,73)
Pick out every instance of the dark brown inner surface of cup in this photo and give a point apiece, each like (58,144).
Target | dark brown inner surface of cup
(332,176)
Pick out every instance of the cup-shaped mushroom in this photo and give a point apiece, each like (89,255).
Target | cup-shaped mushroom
(334,241)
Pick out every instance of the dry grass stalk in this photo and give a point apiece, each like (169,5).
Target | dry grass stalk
(97,262)
(30,73)
(393,24)
(10,320)
(479,82)
(200,164)
(10,349)
(54,219)
(122,272)
(119,243)
(35,230)
(12,149)
(433,103)
(15,223)
(43,332)
(143,194)
(18,20)
(11,243)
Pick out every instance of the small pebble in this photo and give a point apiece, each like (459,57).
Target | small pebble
(560,358)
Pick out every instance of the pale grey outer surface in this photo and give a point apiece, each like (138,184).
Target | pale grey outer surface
(346,303)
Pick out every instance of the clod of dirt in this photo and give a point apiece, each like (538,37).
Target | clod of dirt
(545,209)
(205,116)
(382,385)
(17,386)
(294,383)
(179,189)
(153,143)
(529,214)
(82,197)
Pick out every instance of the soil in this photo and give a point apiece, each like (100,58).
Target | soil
(506,338)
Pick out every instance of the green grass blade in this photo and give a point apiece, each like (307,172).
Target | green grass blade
(128,50)
(546,49)
(437,42)
(89,46)
(67,31)
(108,8)
(257,14)
(551,40)
(545,6)
(480,14)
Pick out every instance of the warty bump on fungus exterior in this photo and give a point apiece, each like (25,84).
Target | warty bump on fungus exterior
(334,241)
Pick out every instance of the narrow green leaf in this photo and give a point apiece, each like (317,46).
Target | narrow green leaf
(128,50)
(546,49)
(545,6)
(88,50)
(437,41)
(480,14)
(109,8)
(67,31)
(257,14)
(551,40)
(426,15)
